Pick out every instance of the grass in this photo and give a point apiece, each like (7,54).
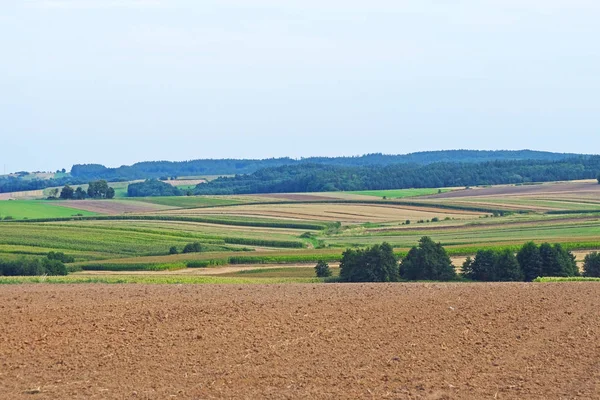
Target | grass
(399,193)
(33,209)
(567,279)
(288,272)
(148,279)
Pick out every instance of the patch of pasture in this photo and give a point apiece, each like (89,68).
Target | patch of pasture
(31,209)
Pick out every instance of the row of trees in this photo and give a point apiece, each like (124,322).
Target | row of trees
(96,190)
(430,261)
(50,265)
(152,187)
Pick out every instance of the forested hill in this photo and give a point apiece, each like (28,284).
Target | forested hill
(322,178)
(157,169)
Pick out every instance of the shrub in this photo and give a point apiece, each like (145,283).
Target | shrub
(428,261)
(62,257)
(198,264)
(195,247)
(407,222)
(173,250)
(591,265)
(322,270)
(435,219)
(376,264)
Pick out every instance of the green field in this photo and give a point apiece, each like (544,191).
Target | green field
(187,202)
(30,209)
(298,231)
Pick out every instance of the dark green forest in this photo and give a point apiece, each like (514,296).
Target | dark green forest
(320,178)
(157,169)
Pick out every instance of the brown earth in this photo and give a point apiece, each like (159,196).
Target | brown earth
(400,341)
(589,187)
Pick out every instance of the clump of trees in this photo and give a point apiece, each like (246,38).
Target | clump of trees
(530,262)
(96,190)
(152,187)
(591,265)
(427,261)
(322,270)
(375,264)
(493,266)
(430,261)
(32,267)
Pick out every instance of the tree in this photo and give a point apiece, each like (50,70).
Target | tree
(173,250)
(98,189)
(110,193)
(591,265)
(556,261)
(67,193)
(52,194)
(375,264)
(322,270)
(598,178)
(482,268)
(427,261)
(530,261)
(80,194)
(507,267)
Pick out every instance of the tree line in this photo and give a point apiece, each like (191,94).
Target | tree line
(325,178)
(430,261)
(157,169)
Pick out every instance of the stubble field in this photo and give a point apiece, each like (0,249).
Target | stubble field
(474,341)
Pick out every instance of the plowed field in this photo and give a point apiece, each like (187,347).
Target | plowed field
(401,341)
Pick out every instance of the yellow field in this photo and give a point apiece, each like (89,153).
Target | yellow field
(344,213)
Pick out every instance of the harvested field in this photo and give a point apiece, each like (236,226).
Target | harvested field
(549,189)
(185,182)
(346,213)
(401,341)
(114,207)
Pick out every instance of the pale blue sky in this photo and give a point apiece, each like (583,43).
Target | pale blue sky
(119,81)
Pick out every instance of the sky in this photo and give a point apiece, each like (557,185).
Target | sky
(120,81)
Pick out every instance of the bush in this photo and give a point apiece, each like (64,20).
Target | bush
(591,265)
(428,261)
(376,264)
(173,250)
(62,257)
(322,270)
(192,248)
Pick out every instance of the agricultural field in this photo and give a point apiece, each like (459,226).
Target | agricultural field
(21,209)
(400,341)
(280,230)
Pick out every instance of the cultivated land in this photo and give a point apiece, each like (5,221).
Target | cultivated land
(397,341)
(251,232)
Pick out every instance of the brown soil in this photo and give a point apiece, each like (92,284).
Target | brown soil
(543,189)
(400,341)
